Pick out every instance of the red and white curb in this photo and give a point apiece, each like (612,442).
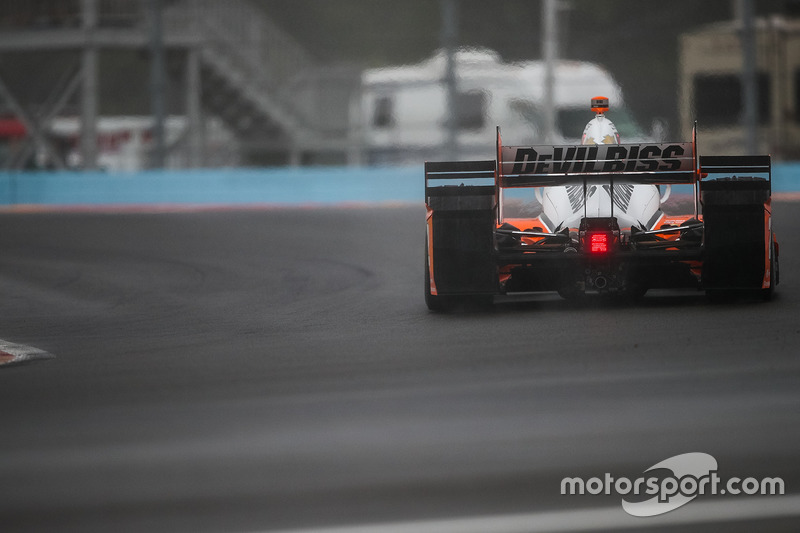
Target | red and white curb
(11,353)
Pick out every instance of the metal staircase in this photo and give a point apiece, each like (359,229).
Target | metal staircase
(248,71)
(247,62)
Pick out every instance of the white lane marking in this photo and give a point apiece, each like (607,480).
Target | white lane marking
(12,353)
(729,510)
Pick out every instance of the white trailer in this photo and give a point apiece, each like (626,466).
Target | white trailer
(402,116)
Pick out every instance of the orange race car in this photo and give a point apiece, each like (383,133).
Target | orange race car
(595,218)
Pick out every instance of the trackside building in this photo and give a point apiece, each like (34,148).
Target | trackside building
(711,90)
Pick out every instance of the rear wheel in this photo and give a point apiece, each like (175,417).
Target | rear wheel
(441,304)
(571,292)
(720,296)
(734,237)
(636,293)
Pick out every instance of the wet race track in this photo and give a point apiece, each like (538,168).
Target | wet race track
(262,370)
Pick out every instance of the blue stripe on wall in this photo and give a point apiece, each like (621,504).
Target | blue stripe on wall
(217,186)
(786,177)
(236,186)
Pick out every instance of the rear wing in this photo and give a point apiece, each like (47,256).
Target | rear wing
(542,166)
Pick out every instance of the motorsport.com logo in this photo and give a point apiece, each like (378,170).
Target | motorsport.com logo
(692,474)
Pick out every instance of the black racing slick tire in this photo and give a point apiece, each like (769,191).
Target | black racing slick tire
(636,293)
(734,237)
(444,304)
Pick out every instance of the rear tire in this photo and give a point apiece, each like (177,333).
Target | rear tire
(571,292)
(636,293)
(734,237)
(482,302)
(720,296)
(443,304)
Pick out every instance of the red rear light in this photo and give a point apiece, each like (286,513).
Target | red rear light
(599,236)
(598,243)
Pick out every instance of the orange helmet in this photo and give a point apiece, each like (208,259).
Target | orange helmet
(600,104)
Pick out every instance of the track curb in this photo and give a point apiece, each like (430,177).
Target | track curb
(14,354)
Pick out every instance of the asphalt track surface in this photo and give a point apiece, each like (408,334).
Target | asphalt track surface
(261,370)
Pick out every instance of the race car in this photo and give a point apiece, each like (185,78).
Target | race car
(590,218)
